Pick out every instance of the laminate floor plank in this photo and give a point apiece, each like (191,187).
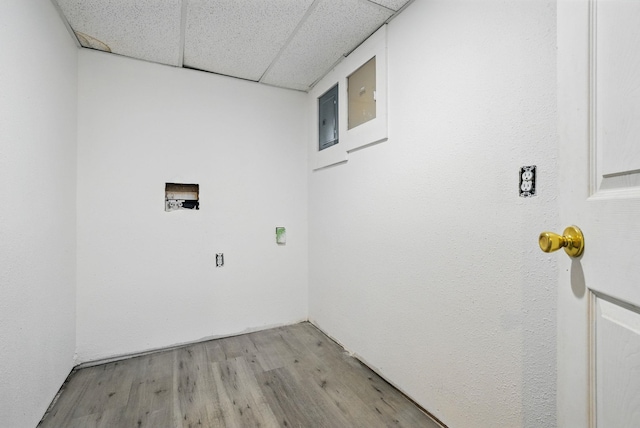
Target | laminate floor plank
(238,346)
(292,376)
(146,398)
(111,417)
(96,420)
(192,382)
(151,391)
(113,386)
(348,381)
(244,402)
(378,394)
(61,414)
(162,418)
(214,350)
(295,405)
(327,383)
(273,351)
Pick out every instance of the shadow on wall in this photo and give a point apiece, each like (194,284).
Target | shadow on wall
(578,285)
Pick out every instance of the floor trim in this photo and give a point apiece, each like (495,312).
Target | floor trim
(121,357)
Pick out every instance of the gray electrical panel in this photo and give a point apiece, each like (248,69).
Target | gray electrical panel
(328,118)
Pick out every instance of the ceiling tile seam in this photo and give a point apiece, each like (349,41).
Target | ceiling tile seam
(335,64)
(149,61)
(356,47)
(72,32)
(366,38)
(183,31)
(273,85)
(399,11)
(309,11)
(187,67)
(381,6)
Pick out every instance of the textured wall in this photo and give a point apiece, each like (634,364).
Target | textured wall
(38,84)
(147,278)
(423,259)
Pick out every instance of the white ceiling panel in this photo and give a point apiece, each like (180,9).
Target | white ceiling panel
(239,37)
(287,43)
(395,5)
(143,29)
(332,30)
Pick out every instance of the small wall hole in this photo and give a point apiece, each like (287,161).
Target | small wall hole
(179,196)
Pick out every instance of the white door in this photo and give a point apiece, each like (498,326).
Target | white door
(599,293)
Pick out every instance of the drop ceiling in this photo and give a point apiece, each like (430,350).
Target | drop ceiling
(285,43)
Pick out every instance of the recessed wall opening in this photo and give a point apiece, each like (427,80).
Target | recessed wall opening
(362,94)
(328,118)
(180,196)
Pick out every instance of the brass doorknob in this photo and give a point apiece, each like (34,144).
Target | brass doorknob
(571,239)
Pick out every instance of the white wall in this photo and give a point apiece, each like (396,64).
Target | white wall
(146,277)
(38,84)
(423,259)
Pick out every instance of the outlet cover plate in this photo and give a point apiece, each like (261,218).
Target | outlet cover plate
(528,177)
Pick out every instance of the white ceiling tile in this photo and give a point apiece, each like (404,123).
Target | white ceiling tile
(239,37)
(143,29)
(392,4)
(332,30)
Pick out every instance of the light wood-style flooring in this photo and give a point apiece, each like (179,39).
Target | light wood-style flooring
(292,376)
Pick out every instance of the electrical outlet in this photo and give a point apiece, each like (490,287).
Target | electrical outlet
(528,181)
(219,259)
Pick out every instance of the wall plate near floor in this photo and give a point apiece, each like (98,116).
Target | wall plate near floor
(219,259)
